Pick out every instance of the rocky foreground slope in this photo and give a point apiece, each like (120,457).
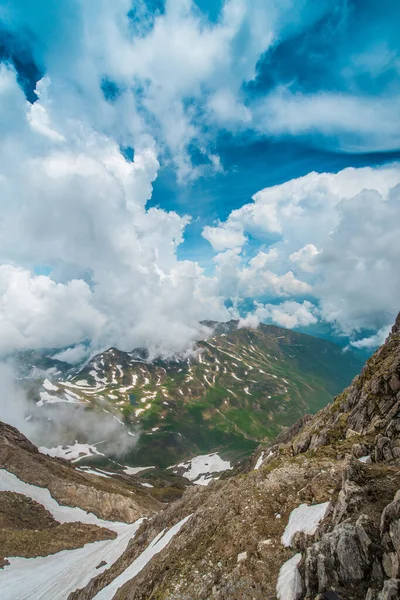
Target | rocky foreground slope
(315,515)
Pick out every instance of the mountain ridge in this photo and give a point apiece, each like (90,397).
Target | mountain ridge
(240,386)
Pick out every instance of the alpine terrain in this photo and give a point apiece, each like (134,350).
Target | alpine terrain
(314,514)
(237,389)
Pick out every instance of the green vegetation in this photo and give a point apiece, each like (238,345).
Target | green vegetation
(241,387)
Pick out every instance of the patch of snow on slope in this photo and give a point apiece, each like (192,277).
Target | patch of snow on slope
(49,386)
(75,452)
(365,459)
(58,575)
(289,585)
(46,398)
(91,472)
(158,544)
(259,461)
(136,470)
(202,465)
(304,518)
(97,378)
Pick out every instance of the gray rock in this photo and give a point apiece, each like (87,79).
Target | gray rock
(391,590)
(350,558)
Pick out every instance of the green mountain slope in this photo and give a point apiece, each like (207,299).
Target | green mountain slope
(241,387)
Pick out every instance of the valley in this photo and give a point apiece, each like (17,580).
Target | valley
(237,389)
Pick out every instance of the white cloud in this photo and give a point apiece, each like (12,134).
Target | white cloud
(355,123)
(72,204)
(73,355)
(251,320)
(373,340)
(174,75)
(336,237)
(289,314)
(223,237)
(304,257)
(80,212)
(37,312)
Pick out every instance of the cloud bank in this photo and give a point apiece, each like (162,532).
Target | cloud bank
(102,95)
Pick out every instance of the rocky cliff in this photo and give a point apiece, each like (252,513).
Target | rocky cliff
(316,515)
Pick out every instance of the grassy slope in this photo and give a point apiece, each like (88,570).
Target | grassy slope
(242,388)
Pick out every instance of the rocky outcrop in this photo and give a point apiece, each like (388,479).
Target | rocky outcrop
(368,409)
(114,501)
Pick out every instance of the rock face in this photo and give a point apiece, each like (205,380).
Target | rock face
(112,501)
(231,547)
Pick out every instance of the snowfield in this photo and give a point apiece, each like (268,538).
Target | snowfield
(158,544)
(56,576)
(50,387)
(304,518)
(198,467)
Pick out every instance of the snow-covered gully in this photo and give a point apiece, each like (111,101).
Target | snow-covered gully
(57,575)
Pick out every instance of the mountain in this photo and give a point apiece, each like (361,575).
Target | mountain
(315,514)
(238,388)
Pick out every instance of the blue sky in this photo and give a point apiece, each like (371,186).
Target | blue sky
(174,155)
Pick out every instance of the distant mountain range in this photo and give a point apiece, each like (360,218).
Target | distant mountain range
(238,388)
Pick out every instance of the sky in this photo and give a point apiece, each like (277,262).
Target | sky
(165,162)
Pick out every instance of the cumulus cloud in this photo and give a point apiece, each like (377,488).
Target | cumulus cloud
(79,213)
(304,257)
(289,314)
(336,240)
(224,237)
(372,341)
(74,209)
(180,77)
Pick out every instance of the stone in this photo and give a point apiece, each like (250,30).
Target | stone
(349,556)
(390,563)
(391,590)
(351,433)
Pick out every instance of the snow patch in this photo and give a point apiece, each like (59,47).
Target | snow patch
(58,575)
(49,386)
(64,514)
(159,543)
(259,461)
(136,470)
(74,453)
(202,465)
(289,585)
(365,459)
(304,518)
